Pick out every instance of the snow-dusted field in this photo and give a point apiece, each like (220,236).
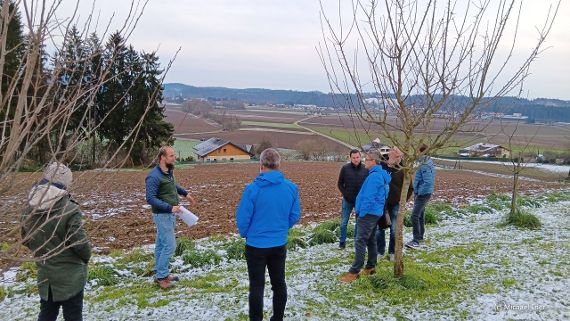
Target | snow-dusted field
(478,270)
(563,169)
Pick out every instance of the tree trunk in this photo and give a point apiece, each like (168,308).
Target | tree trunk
(399,246)
(516,173)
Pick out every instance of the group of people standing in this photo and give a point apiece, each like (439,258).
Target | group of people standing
(269,207)
(374,189)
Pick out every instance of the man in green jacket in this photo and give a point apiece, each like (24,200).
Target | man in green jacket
(52,229)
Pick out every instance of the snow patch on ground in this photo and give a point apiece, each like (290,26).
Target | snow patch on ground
(532,279)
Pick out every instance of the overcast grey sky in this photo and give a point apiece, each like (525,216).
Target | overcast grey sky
(271,43)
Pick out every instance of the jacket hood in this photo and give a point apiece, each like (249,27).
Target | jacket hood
(44,197)
(269,178)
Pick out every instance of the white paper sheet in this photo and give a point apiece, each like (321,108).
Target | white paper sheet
(187,217)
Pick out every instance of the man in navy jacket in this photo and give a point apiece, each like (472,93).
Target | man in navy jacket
(350,179)
(269,207)
(369,208)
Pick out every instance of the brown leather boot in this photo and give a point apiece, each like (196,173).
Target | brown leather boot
(348,277)
(368,271)
(164,283)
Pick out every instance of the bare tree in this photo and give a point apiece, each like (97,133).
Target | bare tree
(519,159)
(33,119)
(429,64)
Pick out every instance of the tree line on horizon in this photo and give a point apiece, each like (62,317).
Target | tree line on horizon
(539,109)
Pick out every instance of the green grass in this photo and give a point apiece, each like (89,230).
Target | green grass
(432,215)
(183,244)
(557,197)
(478,209)
(202,258)
(297,239)
(509,282)
(103,274)
(138,261)
(236,250)
(523,219)
(326,232)
(498,201)
(269,124)
(27,270)
(421,284)
(527,201)
(212,283)
(184,148)
(139,294)
(136,256)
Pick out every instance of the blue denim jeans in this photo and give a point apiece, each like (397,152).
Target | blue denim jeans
(165,243)
(365,238)
(345,211)
(381,234)
(418,219)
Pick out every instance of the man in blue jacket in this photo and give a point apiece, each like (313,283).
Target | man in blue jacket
(269,207)
(162,195)
(423,188)
(369,208)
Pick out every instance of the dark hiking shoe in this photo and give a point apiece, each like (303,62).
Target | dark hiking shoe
(342,245)
(413,245)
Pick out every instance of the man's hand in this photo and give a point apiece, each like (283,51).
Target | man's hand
(191,199)
(176,209)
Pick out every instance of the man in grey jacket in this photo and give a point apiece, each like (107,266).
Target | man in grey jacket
(52,229)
